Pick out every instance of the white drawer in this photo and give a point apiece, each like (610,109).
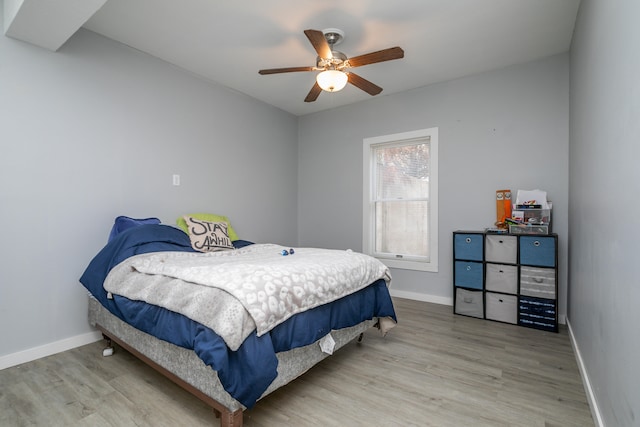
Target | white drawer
(501,248)
(502,278)
(503,308)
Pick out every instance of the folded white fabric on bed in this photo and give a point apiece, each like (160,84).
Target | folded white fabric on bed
(214,308)
(269,286)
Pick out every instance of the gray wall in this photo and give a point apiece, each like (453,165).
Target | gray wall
(501,129)
(96,130)
(604,181)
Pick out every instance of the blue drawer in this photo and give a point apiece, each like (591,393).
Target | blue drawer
(468,246)
(468,274)
(538,250)
(538,313)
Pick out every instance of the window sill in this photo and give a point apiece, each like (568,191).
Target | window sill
(410,265)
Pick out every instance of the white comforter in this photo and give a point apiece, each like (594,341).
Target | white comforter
(234,292)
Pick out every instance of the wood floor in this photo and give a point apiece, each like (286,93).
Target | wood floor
(433,369)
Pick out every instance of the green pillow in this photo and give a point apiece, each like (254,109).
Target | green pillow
(208,217)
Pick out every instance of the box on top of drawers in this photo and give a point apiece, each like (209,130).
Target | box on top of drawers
(530,220)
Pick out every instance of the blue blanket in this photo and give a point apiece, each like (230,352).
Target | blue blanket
(246,373)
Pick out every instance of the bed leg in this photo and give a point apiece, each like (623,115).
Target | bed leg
(108,350)
(229,419)
(360,336)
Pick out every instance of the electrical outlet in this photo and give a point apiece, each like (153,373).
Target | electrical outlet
(176,179)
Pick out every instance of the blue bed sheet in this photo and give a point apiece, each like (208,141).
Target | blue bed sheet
(246,373)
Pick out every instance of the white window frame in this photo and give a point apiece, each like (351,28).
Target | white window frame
(368,227)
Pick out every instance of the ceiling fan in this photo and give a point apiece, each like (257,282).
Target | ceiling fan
(335,66)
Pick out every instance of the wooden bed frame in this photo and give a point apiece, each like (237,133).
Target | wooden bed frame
(187,370)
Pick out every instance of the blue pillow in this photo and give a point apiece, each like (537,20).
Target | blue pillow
(123,223)
(241,243)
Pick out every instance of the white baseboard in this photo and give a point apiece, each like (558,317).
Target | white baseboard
(421,297)
(31,354)
(591,398)
(562,319)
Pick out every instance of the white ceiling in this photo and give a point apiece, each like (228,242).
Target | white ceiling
(229,41)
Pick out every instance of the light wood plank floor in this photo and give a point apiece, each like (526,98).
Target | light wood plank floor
(433,369)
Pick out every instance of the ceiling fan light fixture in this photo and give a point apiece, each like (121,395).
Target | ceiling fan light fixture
(332,80)
(335,67)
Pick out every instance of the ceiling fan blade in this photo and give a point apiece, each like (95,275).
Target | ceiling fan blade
(379,56)
(313,93)
(319,43)
(284,70)
(364,84)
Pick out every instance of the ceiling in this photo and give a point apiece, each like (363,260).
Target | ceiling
(229,41)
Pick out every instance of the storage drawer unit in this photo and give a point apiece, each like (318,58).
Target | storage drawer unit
(507,278)
(528,229)
(469,303)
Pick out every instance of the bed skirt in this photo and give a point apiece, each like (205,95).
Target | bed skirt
(186,369)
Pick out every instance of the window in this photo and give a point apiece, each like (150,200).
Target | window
(400,209)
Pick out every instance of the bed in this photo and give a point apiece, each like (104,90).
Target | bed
(235,340)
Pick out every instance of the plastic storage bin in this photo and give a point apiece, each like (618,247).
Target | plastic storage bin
(532,215)
(528,229)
